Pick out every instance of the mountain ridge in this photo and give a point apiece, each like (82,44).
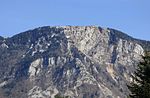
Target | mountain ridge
(144,43)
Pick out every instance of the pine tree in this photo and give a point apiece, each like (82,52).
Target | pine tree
(140,86)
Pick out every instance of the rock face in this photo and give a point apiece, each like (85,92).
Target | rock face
(73,61)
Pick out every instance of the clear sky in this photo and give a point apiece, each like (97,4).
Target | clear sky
(129,16)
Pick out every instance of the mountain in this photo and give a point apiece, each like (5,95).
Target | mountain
(73,61)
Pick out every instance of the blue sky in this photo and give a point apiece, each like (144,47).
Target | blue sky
(129,16)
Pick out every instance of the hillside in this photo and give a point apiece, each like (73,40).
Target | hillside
(74,61)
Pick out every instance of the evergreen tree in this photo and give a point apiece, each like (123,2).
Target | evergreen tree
(140,86)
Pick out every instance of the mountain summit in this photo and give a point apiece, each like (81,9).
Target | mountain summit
(73,61)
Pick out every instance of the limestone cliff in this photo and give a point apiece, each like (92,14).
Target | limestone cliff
(74,61)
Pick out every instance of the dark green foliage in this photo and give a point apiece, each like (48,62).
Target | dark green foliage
(140,87)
